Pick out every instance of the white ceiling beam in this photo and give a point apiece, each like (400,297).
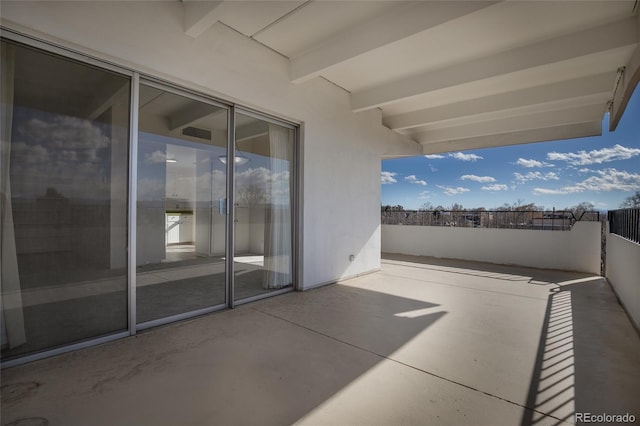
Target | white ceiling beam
(375,33)
(592,41)
(578,88)
(199,16)
(558,107)
(252,130)
(545,119)
(569,131)
(629,79)
(624,88)
(191,114)
(119,96)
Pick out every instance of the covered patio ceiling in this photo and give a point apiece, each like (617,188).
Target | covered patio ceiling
(455,75)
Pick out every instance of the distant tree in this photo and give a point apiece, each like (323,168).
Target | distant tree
(580,209)
(631,201)
(527,207)
(456,207)
(426,206)
(251,195)
(389,208)
(519,202)
(519,206)
(53,193)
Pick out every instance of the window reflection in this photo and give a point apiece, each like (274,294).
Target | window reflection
(180,229)
(64,186)
(263,190)
(64,179)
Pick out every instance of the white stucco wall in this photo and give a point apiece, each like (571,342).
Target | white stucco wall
(342,150)
(574,250)
(623,273)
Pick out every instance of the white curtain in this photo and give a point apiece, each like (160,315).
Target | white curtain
(277,241)
(12,315)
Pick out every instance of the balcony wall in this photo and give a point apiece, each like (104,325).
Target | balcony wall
(623,270)
(575,250)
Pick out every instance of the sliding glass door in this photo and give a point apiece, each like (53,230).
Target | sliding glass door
(263,261)
(181,194)
(182,206)
(126,203)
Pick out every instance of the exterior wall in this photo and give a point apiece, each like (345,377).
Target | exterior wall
(623,273)
(574,250)
(341,150)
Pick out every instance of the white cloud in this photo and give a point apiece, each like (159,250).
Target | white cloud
(65,132)
(535,176)
(495,187)
(423,195)
(547,191)
(605,180)
(448,190)
(611,180)
(388,178)
(532,163)
(29,154)
(596,156)
(261,185)
(151,189)
(68,154)
(465,157)
(585,170)
(481,179)
(156,157)
(432,168)
(414,179)
(433,156)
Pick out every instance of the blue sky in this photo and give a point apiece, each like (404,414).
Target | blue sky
(603,170)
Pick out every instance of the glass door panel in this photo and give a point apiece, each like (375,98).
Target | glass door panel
(263,207)
(182,148)
(63,179)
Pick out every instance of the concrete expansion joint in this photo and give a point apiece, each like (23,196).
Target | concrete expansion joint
(406,365)
(472,388)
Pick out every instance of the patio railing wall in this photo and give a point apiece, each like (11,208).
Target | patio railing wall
(577,249)
(623,252)
(557,220)
(625,223)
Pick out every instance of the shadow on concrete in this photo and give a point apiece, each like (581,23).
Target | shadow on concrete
(588,359)
(78,316)
(263,363)
(377,322)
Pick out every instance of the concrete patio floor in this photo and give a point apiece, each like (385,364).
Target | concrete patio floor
(423,341)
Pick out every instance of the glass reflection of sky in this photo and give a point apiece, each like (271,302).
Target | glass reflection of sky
(67,154)
(255,178)
(152,165)
(73,156)
(258,175)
